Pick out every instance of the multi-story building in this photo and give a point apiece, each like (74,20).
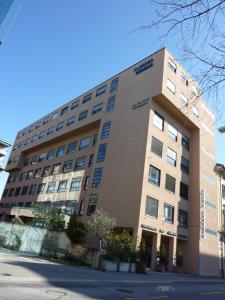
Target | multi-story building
(3,152)
(220,171)
(140,145)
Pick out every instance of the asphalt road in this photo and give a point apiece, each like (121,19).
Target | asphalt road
(116,292)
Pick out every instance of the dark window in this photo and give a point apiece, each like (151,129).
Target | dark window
(46,120)
(154,175)
(223,191)
(101,90)
(71,147)
(105,130)
(185,142)
(62,186)
(37,173)
(168,213)
(92,204)
(184,165)
(87,98)
(42,134)
(17,192)
(184,190)
(83,115)
(41,188)
(71,121)
(114,85)
(67,167)
(84,143)
(56,169)
(156,146)
(111,104)
(91,159)
(95,139)
(60,151)
(60,126)
(5,193)
(70,207)
(101,153)
(42,157)
(183,218)
(75,104)
(97,178)
(151,207)
(38,125)
(32,190)
(51,154)
(80,163)
(86,182)
(34,160)
(26,162)
(97,108)
(29,174)
(170,183)
(24,190)
(76,184)
(64,110)
(46,171)
(51,188)
(33,139)
(50,130)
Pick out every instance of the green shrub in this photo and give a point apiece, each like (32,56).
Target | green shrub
(179,258)
(162,254)
(140,267)
(76,231)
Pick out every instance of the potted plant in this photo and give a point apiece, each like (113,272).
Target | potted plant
(162,259)
(141,263)
(179,261)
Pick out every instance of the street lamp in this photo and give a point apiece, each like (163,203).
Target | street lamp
(222,129)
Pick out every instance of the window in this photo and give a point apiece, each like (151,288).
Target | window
(83,115)
(86,182)
(21,144)
(101,153)
(37,173)
(17,192)
(42,157)
(170,183)
(97,178)
(184,165)
(223,192)
(114,85)
(60,151)
(183,218)
(46,120)
(24,190)
(67,167)
(156,146)
(50,130)
(151,207)
(195,111)
(84,143)
(168,213)
(154,175)
(101,90)
(46,171)
(32,190)
(158,121)
(75,104)
(70,121)
(31,129)
(172,65)
(171,157)
(184,79)
(172,132)
(97,108)
(56,169)
(55,115)
(81,208)
(26,142)
(51,154)
(80,163)
(111,104)
(62,186)
(38,125)
(5,193)
(16,178)
(42,134)
(184,190)
(60,126)
(91,159)
(92,204)
(64,110)
(29,174)
(87,98)
(95,139)
(34,138)
(171,86)
(34,160)
(185,142)
(105,130)
(51,188)
(70,207)
(75,184)
(183,99)
(41,188)
(71,147)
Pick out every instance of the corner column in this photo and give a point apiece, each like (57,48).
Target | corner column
(156,241)
(172,253)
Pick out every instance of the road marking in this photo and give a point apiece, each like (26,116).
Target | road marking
(128,298)
(211,293)
(159,297)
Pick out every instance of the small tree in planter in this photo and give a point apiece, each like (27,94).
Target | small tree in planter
(179,261)
(76,230)
(142,255)
(162,258)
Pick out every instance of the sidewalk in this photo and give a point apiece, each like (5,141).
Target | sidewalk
(21,269)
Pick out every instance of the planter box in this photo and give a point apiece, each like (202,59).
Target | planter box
(124,267)
(110,265)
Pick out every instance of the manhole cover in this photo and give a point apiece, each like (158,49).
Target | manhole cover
(6,274)
(56,293)
(125,291)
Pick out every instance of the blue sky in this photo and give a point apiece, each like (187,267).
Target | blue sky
(56,50)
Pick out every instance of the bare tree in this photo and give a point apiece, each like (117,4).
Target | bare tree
(198,26)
